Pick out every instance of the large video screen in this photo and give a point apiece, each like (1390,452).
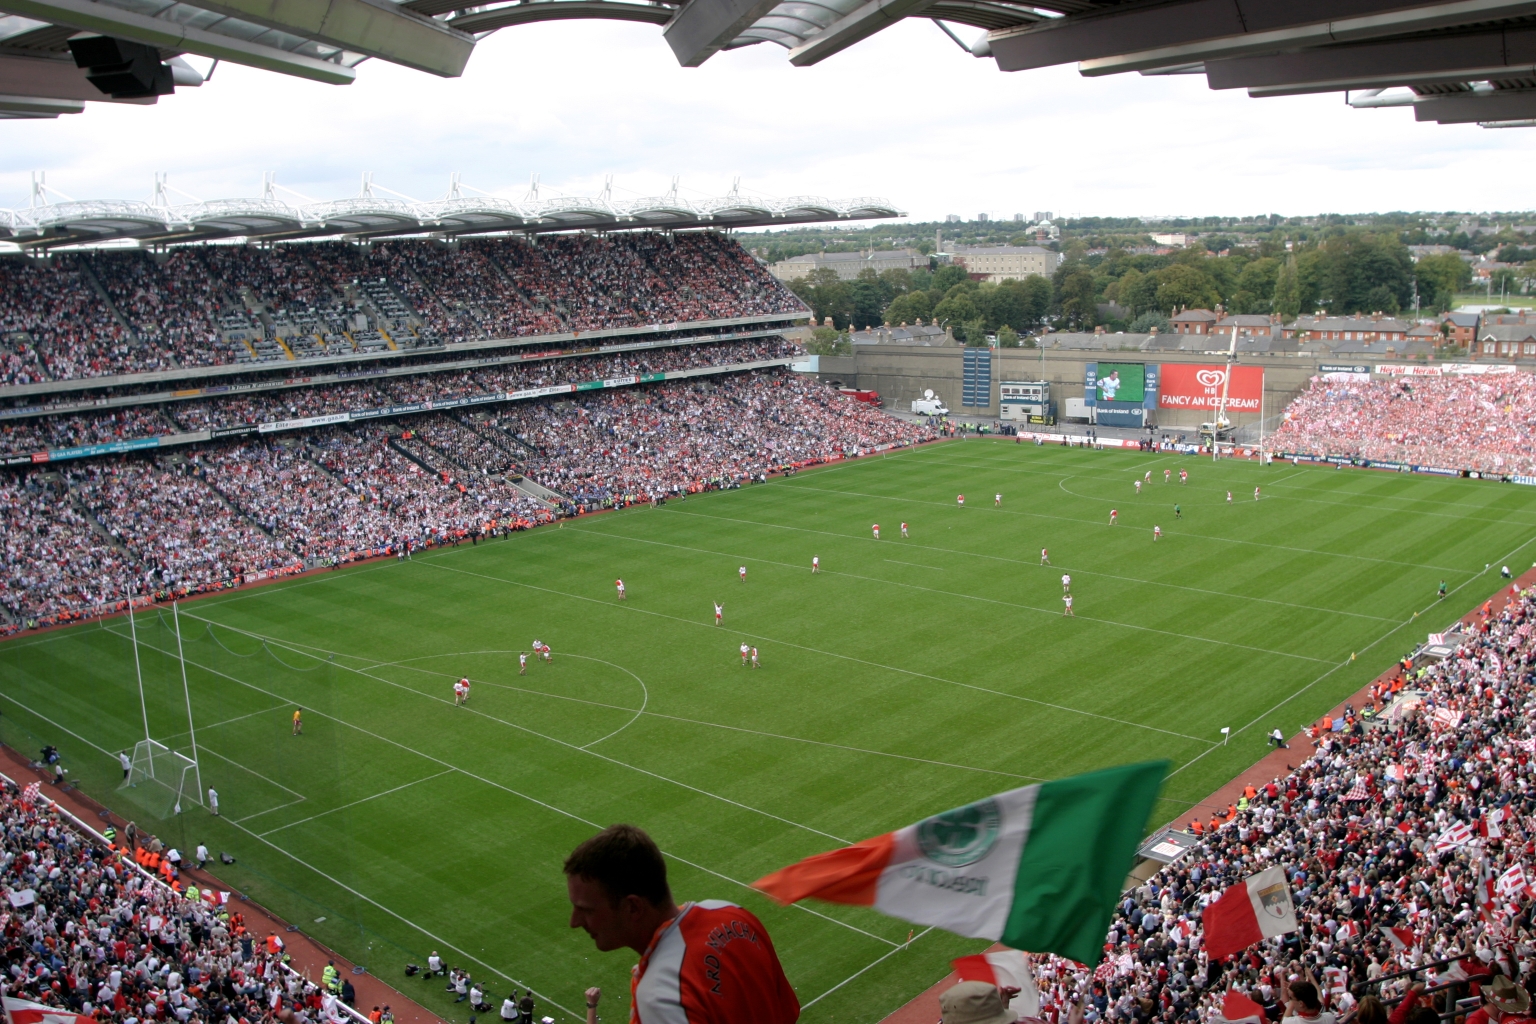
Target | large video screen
(1120,382)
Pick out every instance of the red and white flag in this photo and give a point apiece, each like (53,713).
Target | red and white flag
(1237,1008)
(31,793)
(23,1011)
(1396,772)
(1401,939)
(1248,912)
(1513,885)
(1488,824)
(216,899)
(1349,930)
(1459,834)
(1005,968)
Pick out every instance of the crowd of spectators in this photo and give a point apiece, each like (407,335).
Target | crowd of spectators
(107,313)
(83,537)
(632,444)
(1405,834)
(1482,422)
(129,422)
(89,932)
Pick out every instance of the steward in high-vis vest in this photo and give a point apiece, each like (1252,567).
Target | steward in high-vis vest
(702,963)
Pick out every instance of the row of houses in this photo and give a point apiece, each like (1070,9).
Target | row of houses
(994,263)
(1492,334)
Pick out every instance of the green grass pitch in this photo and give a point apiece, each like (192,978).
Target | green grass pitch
(909,677)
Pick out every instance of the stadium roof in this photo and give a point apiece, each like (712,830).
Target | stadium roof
(1454,60)
(49,225)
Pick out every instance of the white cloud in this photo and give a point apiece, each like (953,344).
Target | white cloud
(906,115)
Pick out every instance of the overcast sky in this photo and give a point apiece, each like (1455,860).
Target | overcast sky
(907,116)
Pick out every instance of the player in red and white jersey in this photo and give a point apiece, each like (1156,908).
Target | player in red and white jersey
(1148,477)
(1167,476)
(1255,494)
(815,563)
(710,962)
(997,501)
(1138,486)
(745,651)
(1045,556)
(1114,514)
(620,585)
(1066,583)
(754,657)
(719,611)
(743,573)
(1066,599)
(461,691)
(1157,533)
(1229,497)
(522,663)
(960,498)
(1183,476)
(876,528)
(903,530)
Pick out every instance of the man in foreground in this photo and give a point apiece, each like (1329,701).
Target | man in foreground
(714,962)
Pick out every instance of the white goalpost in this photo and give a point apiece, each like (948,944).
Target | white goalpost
(155,764)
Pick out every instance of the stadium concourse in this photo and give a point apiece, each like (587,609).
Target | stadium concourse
(1404,821)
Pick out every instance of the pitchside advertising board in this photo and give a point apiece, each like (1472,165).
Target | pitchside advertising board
(1193,386)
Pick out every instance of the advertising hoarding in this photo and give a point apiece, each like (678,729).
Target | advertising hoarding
(1197,386)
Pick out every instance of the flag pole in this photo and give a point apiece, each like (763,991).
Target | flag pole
(138,672)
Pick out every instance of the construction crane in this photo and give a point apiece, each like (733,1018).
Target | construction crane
(1219,429)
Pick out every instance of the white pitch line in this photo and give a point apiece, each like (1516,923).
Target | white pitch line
(687,721)
(354,803)
(959,594)
(830,654)
(917,565)
(881,959)
(494,785)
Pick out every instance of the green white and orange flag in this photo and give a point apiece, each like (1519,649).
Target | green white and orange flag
(1039,868)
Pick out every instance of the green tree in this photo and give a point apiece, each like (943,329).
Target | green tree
(1076,297)
(957,308)
(1364,272)
(1440,278)
(909,308)
(1255,286)
(1151,318)
(828,342)
(1007,337)
(866,301)
(1185,285)
(946,277)
(1036,295)
(826,294)
(1134,290)
(1287,295)
(975,334)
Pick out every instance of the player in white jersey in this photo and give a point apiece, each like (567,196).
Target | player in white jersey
(997,501)
(1229,497)
(719,611)
(1167,476)
(1148,477)
(1114,514)
(458,692)
(1045,556)
(1157,533)
(522,663)
(1066,599)
(1066,583)
(745,651)
(904,531)
(742,572)
(754,657)
(815,563)
(1138,486)
(876,529)
(620,585)
(1255,494)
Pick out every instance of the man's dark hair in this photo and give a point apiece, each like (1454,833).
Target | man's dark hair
(624,861)
(1305,993)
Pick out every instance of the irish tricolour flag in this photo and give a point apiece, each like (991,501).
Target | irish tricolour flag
(1038,868)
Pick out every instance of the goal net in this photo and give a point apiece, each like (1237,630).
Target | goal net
(163,777)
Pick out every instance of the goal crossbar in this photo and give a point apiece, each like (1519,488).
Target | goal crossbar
(155,764)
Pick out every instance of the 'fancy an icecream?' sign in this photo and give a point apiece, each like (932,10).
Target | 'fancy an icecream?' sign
(1195,386)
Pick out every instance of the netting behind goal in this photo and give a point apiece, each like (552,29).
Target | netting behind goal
(162,777)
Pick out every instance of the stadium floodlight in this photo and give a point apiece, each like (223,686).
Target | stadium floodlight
(155,764)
